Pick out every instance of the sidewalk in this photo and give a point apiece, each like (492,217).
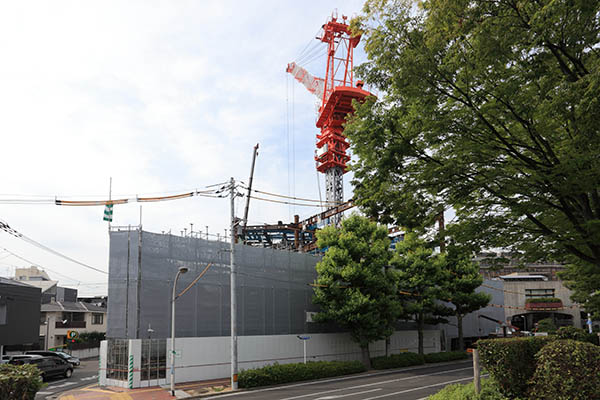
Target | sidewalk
(183,390)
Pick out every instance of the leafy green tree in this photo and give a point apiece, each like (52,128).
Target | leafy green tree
(462,278)
(546,325)
(420,279)
(488,107)
(584,281)
(353,287)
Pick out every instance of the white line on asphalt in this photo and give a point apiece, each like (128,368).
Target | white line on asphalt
(387,372)
(376,383)
(338,396)
(421,387)
(44,393)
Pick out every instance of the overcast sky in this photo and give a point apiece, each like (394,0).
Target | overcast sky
(164,97)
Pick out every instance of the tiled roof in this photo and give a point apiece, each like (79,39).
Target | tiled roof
(71,307)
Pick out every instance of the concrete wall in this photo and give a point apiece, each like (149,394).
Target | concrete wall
(209,357)
(515,297)
(85,353)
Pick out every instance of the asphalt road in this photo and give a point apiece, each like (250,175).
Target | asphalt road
(85,374)
(409,384)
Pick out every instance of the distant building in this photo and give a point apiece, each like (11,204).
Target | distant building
(61,310)
(58,318)
(19,313)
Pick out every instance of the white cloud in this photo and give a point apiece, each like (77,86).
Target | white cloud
(162,96)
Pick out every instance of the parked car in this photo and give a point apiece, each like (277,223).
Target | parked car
(7,358)
(49,366)
(74,361)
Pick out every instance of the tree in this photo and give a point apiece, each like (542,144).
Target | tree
(353,287)
(462,278)
(490,108)
(584,281)
(420,280)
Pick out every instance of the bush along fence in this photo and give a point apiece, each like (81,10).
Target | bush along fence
(409,359)
(285,373)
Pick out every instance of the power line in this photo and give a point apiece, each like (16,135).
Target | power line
(294,198)
(11,231)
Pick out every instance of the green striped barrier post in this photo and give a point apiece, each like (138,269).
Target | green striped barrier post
(130,374)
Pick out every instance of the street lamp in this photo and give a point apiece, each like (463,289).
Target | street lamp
(182,270)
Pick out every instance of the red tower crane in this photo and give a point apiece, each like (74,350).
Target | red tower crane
(336,92)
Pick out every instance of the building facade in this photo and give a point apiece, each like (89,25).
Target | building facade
(57,319)
(19,313)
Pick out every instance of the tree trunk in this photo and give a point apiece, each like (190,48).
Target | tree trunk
(387,347)
(461,340)
(366,356)
(420,328)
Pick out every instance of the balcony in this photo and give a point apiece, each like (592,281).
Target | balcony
(69,324)
(543,304)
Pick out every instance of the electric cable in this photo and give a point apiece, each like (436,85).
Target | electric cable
(295,198)
(285,202)
(11,231)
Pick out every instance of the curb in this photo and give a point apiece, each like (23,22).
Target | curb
(350,376)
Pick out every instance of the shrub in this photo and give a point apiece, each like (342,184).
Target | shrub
(284,373)
(445,356)
(543,300)
(397,361)
(570,332)
(511,362)
(19,382)
(567,370)
(489,391)
(546,325)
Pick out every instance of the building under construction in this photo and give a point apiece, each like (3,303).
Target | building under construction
(274,292)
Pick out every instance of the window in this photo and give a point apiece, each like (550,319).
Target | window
(536,293)
(97,319)
(3,312)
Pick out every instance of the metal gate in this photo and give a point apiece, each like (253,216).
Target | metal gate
(117,359)
(153,367)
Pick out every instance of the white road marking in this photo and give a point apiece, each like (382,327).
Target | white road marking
(337,396)
(420,388)
(44,393)
(343,378)
(376,383)
(62,385)
(89,378)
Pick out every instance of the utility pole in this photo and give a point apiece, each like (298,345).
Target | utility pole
(250,185)
(232,285)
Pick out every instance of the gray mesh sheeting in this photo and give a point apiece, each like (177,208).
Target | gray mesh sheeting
(273,288)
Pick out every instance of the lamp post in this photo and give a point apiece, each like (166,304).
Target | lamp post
(182,270)
(47,331)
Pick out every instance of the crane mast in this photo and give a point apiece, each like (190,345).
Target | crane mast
(336,92)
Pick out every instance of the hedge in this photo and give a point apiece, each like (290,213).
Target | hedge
(543,300)
(567,370)
(397,361)
(570,332)
(283,373)
(19,382)
(445,356)
(511,362)
(489,391)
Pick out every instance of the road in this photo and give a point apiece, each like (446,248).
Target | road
(85,374)
(410,384)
